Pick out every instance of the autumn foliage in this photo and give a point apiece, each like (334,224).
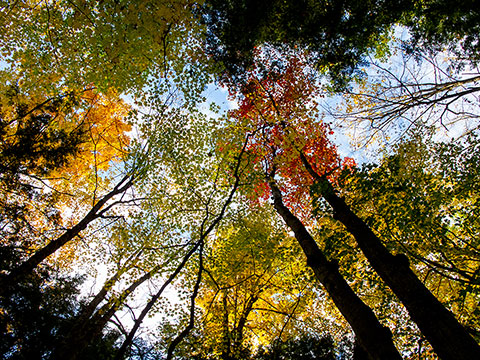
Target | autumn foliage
(278,107)
(103,119)
(57,154)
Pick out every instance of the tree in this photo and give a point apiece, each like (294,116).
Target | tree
(393,270)
(254,289)
(421,200)
(404,92)
(112,45)
(35,315)
(440,24)
(37,138)
(45,161)
(357,313)
(51,49)
(396,272)
(95,314)
(303,348)
(271,108)
(185,180)
(337,34)
(168,209)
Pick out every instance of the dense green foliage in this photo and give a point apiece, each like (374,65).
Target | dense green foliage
(336,34)
(440,24)
(423,198)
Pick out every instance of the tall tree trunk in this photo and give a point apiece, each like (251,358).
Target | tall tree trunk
(373,337)
(448,337)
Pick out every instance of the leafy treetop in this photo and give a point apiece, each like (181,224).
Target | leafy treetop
(278,106)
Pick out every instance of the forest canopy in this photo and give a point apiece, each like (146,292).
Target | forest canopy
(239,180)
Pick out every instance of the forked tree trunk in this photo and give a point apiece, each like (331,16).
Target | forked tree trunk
(372,336)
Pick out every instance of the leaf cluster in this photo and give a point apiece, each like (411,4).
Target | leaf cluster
(337,34)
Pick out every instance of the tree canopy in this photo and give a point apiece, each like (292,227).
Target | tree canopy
(319,203)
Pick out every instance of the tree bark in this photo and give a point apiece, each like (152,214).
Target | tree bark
(372,336)
(448,337)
